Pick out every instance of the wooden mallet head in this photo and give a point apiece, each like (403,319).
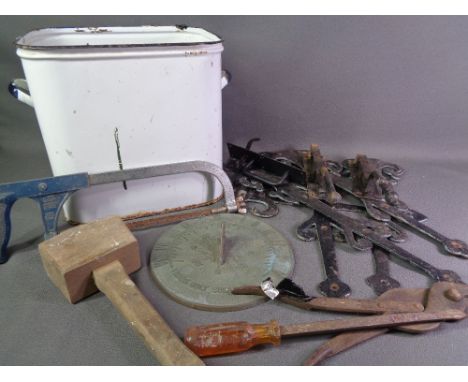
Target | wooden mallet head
(99,256)
(71,257)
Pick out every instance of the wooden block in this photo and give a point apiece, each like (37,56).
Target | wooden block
(71,257)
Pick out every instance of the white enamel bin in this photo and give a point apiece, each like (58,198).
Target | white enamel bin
(126,97)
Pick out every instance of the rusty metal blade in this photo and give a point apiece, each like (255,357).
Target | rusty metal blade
(341,343)
(345,341)
(344,305)
(373,322)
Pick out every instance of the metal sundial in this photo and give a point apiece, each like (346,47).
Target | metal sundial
(198,262)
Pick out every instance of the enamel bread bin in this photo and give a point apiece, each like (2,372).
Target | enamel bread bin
(126,97)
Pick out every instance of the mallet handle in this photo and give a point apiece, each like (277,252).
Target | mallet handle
(113,281)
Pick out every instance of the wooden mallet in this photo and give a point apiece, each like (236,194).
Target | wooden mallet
(99,256)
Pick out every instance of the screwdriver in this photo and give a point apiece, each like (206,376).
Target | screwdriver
(236,337)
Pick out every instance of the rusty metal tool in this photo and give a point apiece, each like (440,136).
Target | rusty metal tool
(454,247)
(235,337)
(319,227)
(281,198)
(390,171)
(290,293)
(51,193)
(345,341)
(380,175)
(319,181)
(371,180)
(383,210)
(381,281)
(269,208)
(374,179)
(152,219)
(345,184)
(253,191)
(366,236)
(332,286)
(294,161)
(386,229)
(263,168)
(371,177)
(316,172)
(441,296)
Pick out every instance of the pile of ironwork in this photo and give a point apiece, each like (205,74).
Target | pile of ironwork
(306,179)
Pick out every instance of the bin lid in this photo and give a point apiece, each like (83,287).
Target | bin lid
(115,37)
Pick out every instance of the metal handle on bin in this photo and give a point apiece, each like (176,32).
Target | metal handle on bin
(225,78)
(19,89)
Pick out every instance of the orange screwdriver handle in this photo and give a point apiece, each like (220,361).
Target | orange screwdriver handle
(231,337)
